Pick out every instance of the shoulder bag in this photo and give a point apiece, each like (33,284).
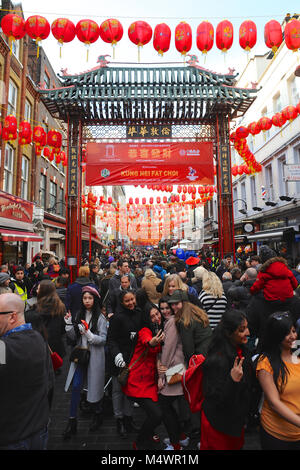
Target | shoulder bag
(124,374)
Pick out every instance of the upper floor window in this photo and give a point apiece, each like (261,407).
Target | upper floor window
(46,80)
(12,98)
(24,177)
(8,169)
(27,113)
(294,91)
(269,182)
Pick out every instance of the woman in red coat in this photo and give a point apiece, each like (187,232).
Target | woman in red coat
(142,386)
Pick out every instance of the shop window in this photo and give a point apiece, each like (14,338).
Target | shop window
(8,169)
(12,98)
(24,177)
(43,187)
(53,195)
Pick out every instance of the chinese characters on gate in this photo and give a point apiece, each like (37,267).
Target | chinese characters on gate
(148,132)
(73,172)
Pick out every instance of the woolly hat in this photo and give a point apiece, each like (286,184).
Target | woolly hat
(266,253)
(91,290)
(4,277)
(198,272)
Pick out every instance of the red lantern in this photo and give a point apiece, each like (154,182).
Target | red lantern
(144,200)
(292,35)
(183,38)
(273,35)
(151,200)
(224,35)
(290,112)
(165,199)
(278,120)
(179,189)
(13,26)
(63,30)
(10,128)
(247,35)
(87,31)
(265,123)
(25,133)
(241,132)
(234,170)
(183,197)
(54,140)
(254,128)
(46,152)
(161,38)
(205,36)
(298,107)
(137,201)
(140,33)
(38,28)
(39,137)
(111,31)
(240,170)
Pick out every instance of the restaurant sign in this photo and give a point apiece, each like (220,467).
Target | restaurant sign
(15,208)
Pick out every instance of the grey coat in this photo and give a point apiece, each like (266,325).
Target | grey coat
(96,367)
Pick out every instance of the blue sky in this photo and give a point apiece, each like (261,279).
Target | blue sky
(154,12)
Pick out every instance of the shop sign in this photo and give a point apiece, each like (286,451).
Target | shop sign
(148,132)
(292,172)
(272,224)
(73,172)
(149,162)
(15,208)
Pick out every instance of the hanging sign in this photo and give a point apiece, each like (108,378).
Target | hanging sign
(149,162)
(148,132)
(292,172)
(73,173)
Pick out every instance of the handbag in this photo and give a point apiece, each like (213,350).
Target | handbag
(124,374)
(57,361)
(80,356)
(174,374)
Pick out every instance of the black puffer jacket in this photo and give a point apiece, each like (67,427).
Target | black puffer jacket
(119,335)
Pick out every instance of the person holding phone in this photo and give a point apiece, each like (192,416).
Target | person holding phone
(142,386)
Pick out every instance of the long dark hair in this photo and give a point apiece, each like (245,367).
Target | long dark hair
(96,311)
(48,301)
(277,327)
(221,352)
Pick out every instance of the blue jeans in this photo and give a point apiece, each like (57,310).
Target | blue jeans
(76,389)
(37,441)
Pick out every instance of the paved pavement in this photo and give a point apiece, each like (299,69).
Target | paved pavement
(106,438)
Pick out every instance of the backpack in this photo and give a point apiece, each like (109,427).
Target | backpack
(192,383)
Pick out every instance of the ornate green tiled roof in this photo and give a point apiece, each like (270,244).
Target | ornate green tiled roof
(118,95)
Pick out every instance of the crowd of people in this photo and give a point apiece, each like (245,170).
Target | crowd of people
(136,320)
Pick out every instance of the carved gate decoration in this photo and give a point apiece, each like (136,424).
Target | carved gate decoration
(107,103)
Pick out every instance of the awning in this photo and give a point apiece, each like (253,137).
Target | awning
(18,236)
(271,234)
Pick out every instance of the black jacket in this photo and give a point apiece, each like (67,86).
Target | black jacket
(26,378)
(121,325)
(226,403)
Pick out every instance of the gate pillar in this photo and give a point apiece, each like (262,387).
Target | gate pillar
(73,214)
(224,184)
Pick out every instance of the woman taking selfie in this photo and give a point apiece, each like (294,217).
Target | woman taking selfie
(142,386)
(89,331)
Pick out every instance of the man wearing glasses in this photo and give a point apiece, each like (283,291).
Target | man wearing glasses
(25,368)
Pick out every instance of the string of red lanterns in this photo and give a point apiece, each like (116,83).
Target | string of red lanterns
(140,33)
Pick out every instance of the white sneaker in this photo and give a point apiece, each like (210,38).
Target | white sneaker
(170,447)
(184,443)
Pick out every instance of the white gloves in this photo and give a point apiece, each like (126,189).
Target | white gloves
(119,361)
(88,334)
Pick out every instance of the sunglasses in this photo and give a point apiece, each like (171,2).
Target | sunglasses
(4,313)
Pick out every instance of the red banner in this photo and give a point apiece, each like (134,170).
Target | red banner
(149,162)
(13,207)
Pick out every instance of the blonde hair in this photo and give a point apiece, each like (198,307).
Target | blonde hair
(149,273)
(178,282)
(211,284)
(84,271)
(191,312)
